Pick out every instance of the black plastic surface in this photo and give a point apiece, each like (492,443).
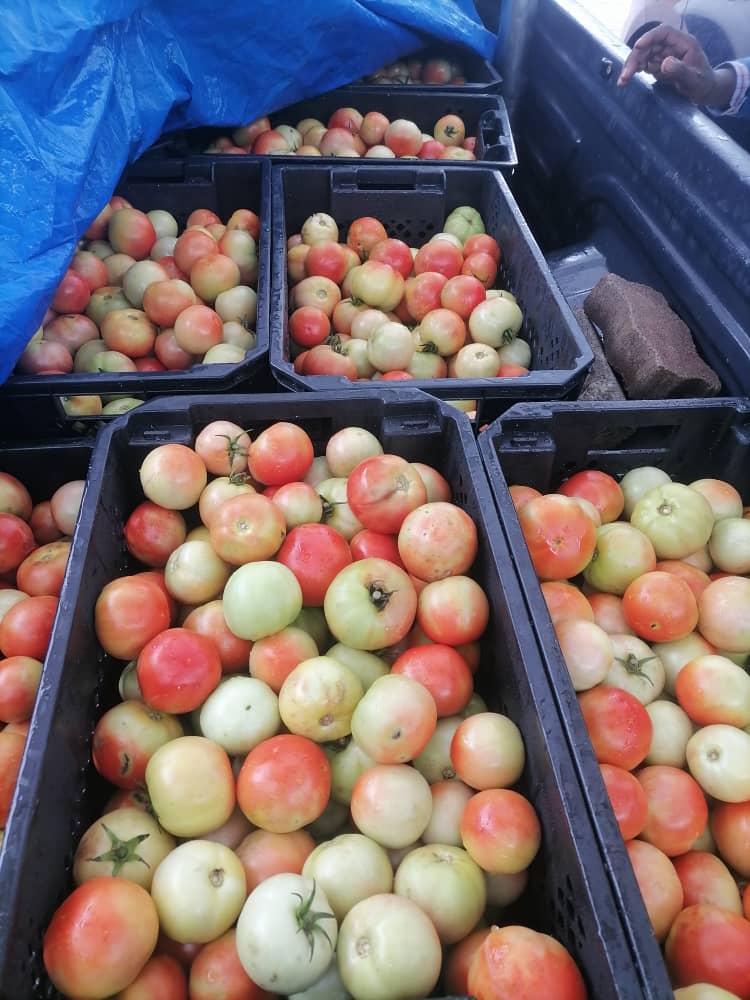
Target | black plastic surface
(484,115)
(413,205)
(540,445)
(481,76)
(222,187)
(569,893)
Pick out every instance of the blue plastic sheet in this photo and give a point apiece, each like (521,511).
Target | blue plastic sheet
(86,86)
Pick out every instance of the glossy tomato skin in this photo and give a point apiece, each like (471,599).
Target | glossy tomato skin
(600,489)
(284,783)
(382,490)
(710,945)
(128,613)
(619,726)
(152,533)
(315,553)
(100,938)
(628,799)
(560,537)
(522,963)
(281,454)
(677,809)
(660,607)
(442,670)
(374,544)
(177,670)
(26,627)
(161,978)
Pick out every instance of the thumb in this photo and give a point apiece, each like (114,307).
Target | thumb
(686,80)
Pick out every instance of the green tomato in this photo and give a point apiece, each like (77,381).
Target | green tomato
(621,555)
(677,519)
(464,222)
(261,598)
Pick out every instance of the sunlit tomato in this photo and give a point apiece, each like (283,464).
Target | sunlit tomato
(284,783)
(128,613)
(126,737)
(177,670)
(439,256)
(519,962)
(26,627)
(152,533)
(723,609)
(11,754)
(659,884)
(273,657)
(247,528)
(564,601)
(422,293)
(363,235)
(309,326)
(368,544)
(487,750)
(315,553)
(618,725)
(282,453)
(560,537)
(208,620)
(216,973)
(707,944)
(382,490)
(100,938)
(677,810)
(600,489)
(453,611)
(660,607)
(500,830)
(440,669)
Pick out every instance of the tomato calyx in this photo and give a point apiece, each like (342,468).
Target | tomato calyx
(508,336)
(239,478)
(379,595)
(429,348)
(234,449)
(634,666)
(309,920)
(121,852)
(335,343)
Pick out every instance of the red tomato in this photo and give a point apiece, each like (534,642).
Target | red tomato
(710,945)
(283,453)
(730,827)
(177,670)
(26,627)
(264,854)
(422,293)
(309,326)
(42,523)
(16,542)
(565,602)
(453,611)
(19,683)
(659,884)
(191,247)
(619,726)
(482,267)
(517,962)
(439,256)
(482,243)
(216,973)
(367,543)
(501,831)
(458,961)
(315,553)
(677,809)
(706,879)
(462,294)
(437,540)
(284,783)
(197,329)
(327,259)
(520,495)
(128,613)
(660,607)
(382,490)
(152,533)
(161,978)
(247,528)
(163,301)
(396,376)
(599,489)
(274,657)
(100,938)
(561,538)
(432,149)
(393,252)
(440,669)
(628,799)
(73,293)
(322,360)
(208,620)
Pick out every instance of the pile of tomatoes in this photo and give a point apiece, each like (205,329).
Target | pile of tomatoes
(655,632)
(440,72)
(309,797)
(138,297)
(374,308)
(34,548)
(350,133)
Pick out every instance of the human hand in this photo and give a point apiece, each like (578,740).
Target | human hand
(676,58)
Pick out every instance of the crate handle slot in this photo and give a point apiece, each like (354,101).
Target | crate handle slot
(391,180)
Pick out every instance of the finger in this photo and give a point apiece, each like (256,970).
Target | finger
(635,62)
(685,80)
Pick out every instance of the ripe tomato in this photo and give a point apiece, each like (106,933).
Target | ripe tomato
(440,669)
(566,602)
(403,137)
(368,544)
(458,961)
(712,689)
(216,973)
(197,329)
(128,613)
(382,490)
(26,627)
(126,737)
(462,294)
(501,831)
(423,292)
(72,294)
(315,553)
(162,976)
(16,542)
(628,799)
(440,257)
(131,231)
(710,945)
(560,537)
(487,750)
(659,884)
(263,854)
(618,725)
(677,810)
(730,828)
(100,938)
(152,533)
(453,611)
(660,607)
(208,620)
(327,259)
(284,783)
(309,325)
(43,570)
(600,489)
(364,233)
(393,252)
(11,754)
(19,683)
(283,453)
(482,243)
(706,879)
(247,528)
(394,720)
(723,618)
(519,962)
(274,657)
(177,670)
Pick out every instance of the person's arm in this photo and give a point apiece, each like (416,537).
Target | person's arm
(676,58)
(738,103)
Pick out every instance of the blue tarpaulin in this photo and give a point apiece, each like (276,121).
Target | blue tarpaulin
(86,86)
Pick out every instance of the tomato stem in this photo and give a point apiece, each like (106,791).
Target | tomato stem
(121,852)
(379,595)
(634,666)
(309,920)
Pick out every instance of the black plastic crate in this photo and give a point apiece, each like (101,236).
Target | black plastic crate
(569,893)
(481,76)
(541,445)
(485,116)
(412,205)
(31,404)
